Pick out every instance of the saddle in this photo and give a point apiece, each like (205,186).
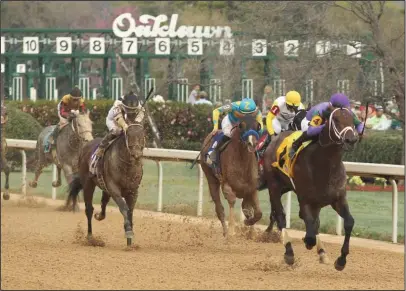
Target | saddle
(96,164)
(283,161)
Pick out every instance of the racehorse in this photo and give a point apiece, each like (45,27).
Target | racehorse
(119,175)
(4,164)
(69,142)
(319,179)
(239,174)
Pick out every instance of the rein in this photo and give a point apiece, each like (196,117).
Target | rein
(339,135)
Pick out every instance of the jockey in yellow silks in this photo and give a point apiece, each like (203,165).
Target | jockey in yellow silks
(235,111)
(281,114)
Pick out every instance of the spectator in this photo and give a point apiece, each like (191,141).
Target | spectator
(267,100)
(203,99)
(355,107)
(193,95)
(379,121)
(396,124)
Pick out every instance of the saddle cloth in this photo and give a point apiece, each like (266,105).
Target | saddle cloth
(94,160)
(47,142)
(283,162)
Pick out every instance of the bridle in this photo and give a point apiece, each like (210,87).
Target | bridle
(126,136)
(334,132)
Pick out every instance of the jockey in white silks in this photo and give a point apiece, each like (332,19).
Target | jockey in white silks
(281,114)
(117,116)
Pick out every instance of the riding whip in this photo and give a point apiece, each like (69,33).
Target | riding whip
(365,123)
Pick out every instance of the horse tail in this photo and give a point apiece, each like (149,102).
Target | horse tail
(74,187)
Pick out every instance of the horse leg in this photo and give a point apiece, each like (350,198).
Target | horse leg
(131,199)
(321,250)
(38,170)
(307,215)
(341,207)
(122,205)
(58,182)
(104,201)
(6,170)
(88,191)
(257,210)
(214,188)
(231,198)
(278,215)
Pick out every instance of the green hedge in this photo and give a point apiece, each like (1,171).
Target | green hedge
(20,125)
(182,126)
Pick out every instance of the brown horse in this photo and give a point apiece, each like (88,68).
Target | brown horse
(119,176)
(319,179)
(239,174)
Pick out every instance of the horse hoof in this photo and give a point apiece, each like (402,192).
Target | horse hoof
(33,184)
(339,264)
(6,196)
(89,236)
(323,259)
(310,242)
(56,184)
(129,241)
(289,259)
(99,217)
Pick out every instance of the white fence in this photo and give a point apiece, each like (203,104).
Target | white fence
(362,169)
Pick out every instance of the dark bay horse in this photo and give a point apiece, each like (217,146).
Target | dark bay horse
(68,145)
(239,174)
(4,164)
(119,176)
(319,179)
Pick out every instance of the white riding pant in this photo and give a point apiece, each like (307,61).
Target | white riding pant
(304,125)
(279,125)
(226,126)
(113,126)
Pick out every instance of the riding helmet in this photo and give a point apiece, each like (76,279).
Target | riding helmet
(76,93)
(340,100)
(130,100)
(247,105)
(293,98)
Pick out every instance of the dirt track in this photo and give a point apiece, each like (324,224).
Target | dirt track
(42,248)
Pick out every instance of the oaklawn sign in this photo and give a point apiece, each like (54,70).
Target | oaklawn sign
(160,29)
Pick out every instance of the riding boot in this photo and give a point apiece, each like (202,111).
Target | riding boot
(104,143)
(297,143)
(218,148)
(264,146)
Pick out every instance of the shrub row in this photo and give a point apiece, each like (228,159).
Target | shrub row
(182,126)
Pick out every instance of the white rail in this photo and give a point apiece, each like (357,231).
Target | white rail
(391,172)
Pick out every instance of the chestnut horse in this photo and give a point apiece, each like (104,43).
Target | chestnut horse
(239,174)
(319,179)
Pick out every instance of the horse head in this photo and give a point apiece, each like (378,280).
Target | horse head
(248,132)
(135,140)
(82,125)
(340,128)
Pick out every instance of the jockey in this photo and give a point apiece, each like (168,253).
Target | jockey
(235,111)
(66,107)
(117,116)
(318,114)
(282,113)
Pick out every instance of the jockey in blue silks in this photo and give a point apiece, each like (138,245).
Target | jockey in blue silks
(236,111)
(318,114)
